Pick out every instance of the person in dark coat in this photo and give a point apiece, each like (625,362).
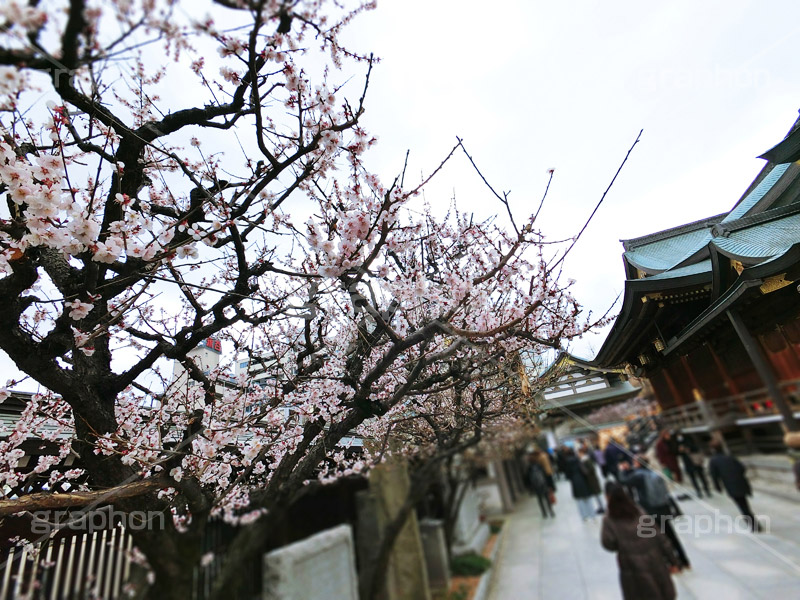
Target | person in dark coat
(644,556)
(692,460)
(591,478)
(614,455)
(561,457)
(537,478)
(667,454)
(580,485)
(730,471)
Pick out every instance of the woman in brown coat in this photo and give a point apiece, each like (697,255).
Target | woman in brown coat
(644,555)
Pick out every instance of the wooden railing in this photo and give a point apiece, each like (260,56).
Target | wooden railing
(722,412)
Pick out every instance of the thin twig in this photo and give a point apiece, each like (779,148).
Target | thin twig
(503,198)
(546,189)
(603,197)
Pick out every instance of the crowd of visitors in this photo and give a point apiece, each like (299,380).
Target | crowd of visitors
(638,487)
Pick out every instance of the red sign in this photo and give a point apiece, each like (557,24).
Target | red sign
(214,344)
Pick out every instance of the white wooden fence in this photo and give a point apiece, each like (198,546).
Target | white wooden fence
(89,565)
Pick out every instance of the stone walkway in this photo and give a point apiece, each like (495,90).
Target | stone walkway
(561,558)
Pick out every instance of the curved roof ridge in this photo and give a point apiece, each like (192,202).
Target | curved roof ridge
(663,254)
(761,240)
(788,149)
(658,236)
(757,193)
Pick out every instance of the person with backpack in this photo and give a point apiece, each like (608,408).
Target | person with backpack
(646,562)
(538,481)
(543,458)
(653,496)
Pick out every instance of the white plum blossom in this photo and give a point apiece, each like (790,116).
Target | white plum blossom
(109,251)
(206,559)
(188,251)
(79,310)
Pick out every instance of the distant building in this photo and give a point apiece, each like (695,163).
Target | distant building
(259,372)
(573,388)
(206,355)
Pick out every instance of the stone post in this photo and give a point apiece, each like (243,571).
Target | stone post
(407,578)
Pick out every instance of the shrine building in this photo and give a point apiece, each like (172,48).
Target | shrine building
(711,313)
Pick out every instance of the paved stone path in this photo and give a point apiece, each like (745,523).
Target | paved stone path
(561,558)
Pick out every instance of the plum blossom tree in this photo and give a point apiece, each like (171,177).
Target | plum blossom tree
(197,175)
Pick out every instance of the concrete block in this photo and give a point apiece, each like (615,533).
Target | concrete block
(475,543)
(317,568)
(771,474)
(434,545)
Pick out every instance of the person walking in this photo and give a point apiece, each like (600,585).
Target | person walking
(653,496)
(614,455)
(667,454)
(551,458)
(537,479)
(580,486)
(544,460)
(730,471)
(792,441)
(600,459)
(692,460)
(646,562)
(587,464)
(561,456)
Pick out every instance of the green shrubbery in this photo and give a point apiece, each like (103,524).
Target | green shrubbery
(469,565)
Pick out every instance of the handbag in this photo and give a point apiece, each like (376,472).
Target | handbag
(551,496)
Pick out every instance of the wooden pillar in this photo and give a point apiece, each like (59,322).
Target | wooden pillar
(698,393)
(747,434)
(731,384)
(657,394)
(675,393)
(761,364)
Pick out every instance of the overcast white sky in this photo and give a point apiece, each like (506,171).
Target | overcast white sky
(532,85)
